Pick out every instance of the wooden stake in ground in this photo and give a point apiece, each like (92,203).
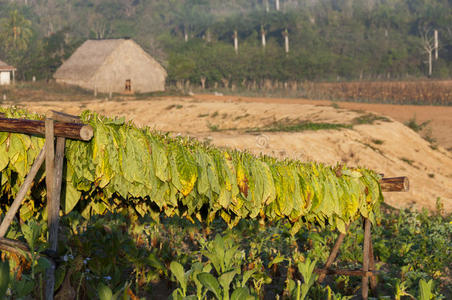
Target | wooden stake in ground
(52,221)
(333,255)
(366,248)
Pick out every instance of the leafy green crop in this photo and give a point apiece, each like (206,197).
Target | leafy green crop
(126,166)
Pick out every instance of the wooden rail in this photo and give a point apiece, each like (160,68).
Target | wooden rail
(74,131)
(395,184)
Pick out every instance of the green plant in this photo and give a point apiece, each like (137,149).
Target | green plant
(425,289)
(306,270)
(377,142)
(400,290)
(408,161)
(369,118)
(414,125)
(299,126)
(4,278)
(182,278)
(213,127)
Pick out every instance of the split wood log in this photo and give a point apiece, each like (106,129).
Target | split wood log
(74,131)
(62,117)
(395,184)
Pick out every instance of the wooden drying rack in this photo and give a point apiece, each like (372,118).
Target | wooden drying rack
(62,126)
(396,184)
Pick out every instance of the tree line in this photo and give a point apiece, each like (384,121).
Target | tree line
(240,42)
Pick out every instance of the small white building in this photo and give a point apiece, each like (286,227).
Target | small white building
(6,73)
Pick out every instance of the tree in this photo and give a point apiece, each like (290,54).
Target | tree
(428,46)
(15,33)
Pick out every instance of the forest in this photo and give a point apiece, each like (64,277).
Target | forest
(213,43)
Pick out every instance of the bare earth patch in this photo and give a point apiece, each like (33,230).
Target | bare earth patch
(370,140)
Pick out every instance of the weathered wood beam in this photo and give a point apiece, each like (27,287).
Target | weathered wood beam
(74,131)
(373,278)
(52,219)
(333,254)
(366,252)
(395,184)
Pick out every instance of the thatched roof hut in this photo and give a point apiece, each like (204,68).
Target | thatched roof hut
(119,65)
(5,73)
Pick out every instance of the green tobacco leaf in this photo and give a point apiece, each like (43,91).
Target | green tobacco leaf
(184,177)
(226,278)
(4,159)
(178,271)
(71,198)
(211,283)
(240,294)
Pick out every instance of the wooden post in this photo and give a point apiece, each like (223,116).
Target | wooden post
(366,248)
(333,254)
(50,184)
(54,206)
(373,278)
(22,193)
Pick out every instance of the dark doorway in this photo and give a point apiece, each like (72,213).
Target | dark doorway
(128,87)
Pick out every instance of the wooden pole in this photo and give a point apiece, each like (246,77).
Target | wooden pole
(373,278)
(54,206)
(333,254)
(50,184)
(68,130)
(366,247)
(395,184)
(22,193)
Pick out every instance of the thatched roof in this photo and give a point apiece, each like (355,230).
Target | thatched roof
(5,67)
(87,59)
(105,65)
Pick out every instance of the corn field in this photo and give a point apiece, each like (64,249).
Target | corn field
(397,92)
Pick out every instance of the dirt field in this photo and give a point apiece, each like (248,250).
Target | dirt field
(379,143)
(439,117)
